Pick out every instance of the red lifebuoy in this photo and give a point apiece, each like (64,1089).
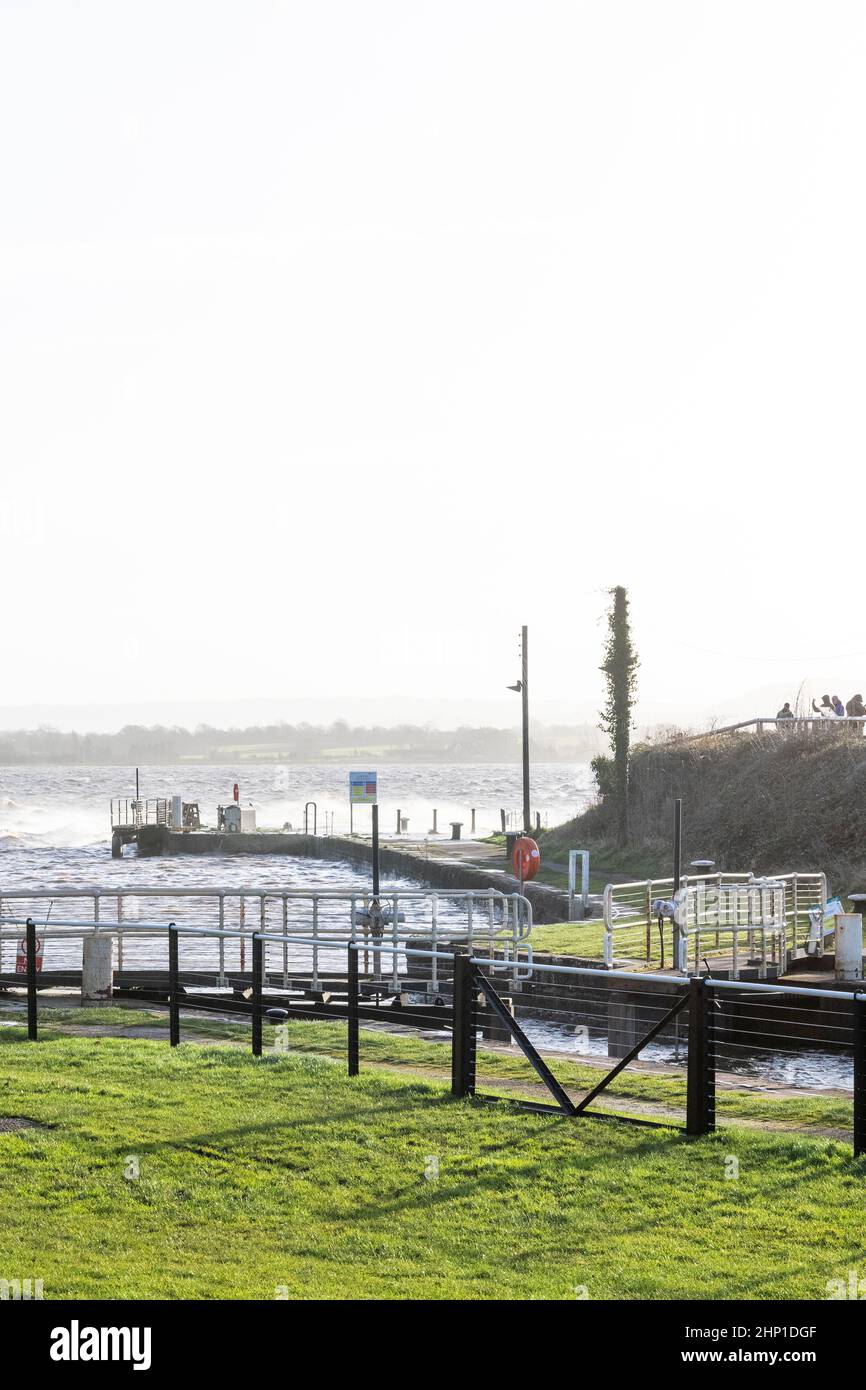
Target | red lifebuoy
(237,792)
(525,858)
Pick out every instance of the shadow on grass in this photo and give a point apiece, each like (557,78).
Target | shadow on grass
(337,1115)
(532,1170)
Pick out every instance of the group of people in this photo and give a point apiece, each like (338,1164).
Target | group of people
(831,707)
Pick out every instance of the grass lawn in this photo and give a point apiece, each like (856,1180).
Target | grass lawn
(501,1071)
(582,939)
(283,1174)
(587,939)
(606,862)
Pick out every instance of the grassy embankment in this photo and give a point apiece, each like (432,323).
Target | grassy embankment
(772,802)
(606,863)
(260,1178)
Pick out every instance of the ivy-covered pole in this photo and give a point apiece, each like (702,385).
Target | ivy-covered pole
(620,667)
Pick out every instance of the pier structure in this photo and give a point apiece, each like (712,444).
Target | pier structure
(151,829)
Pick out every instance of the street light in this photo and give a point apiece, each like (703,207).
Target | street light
(522,689)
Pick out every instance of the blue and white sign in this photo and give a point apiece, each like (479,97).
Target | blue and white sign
(362,788)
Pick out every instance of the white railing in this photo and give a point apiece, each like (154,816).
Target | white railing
(471,916)
(766,920)
(131,813)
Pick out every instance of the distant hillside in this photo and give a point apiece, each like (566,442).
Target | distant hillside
(298,743)
(771,803)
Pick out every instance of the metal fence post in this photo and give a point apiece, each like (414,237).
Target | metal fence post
(701,1081)
(173,987)
(32,1011)
(859,1007)
(352,1013)
(463,1029)
(258,960)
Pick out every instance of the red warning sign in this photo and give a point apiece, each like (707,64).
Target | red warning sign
(21,958)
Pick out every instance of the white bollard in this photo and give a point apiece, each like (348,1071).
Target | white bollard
(97,976)
(849,946)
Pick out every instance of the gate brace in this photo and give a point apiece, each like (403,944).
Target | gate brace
(566,1104)
(630,1056)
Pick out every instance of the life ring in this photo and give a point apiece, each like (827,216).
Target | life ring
(525,858)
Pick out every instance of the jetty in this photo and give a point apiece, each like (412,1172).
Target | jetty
(464,865)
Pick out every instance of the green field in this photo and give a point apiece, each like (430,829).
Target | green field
(283,1177)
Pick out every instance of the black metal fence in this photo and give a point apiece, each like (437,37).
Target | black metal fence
(548,1037)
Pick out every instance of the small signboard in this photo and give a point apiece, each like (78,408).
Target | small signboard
(362,788)
(21,957)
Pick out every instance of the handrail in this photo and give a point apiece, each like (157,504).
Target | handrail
(796,721)
(96,925)
(320,920)
(636,978)
(147,890)
(371,944)
(742,907)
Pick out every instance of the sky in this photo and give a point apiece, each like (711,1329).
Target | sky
(338,340)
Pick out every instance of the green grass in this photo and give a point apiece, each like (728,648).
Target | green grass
(668,1090)
(605,861)
(283,1173)
(587,939)
(106,1015)
(504,1072)
(573,939)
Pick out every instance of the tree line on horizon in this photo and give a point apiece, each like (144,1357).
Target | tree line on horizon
(137,745)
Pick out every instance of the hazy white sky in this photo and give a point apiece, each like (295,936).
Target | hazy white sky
(338,339)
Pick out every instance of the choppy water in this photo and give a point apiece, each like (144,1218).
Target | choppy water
(68,807)
(55,832)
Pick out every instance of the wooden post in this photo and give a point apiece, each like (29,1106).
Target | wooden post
(258,961)
(858,1005)
(463,1029)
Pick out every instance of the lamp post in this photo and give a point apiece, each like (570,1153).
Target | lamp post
(522,688)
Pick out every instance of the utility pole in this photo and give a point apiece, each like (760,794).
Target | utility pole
(524,695)
(522,687)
